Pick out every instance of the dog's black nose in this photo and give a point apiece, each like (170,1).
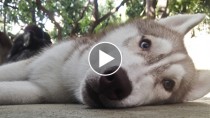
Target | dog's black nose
(116,86)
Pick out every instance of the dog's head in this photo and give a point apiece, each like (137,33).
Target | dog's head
(156,68)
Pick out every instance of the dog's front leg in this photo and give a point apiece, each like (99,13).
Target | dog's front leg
(15,71)
(21,92)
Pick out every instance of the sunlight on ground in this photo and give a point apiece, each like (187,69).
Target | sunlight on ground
(207,96)
(199,50)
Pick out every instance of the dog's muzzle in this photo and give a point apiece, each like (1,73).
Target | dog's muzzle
(114,87)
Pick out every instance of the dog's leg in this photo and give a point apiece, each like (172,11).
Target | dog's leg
(14,71)
(21,92)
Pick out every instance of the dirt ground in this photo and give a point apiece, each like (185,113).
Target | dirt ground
(196,109)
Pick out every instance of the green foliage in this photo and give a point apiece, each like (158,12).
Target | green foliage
(190,6)
(135,8)
(112,20)
(76,16)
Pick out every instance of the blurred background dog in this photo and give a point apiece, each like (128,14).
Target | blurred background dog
(5,46)
(28,44)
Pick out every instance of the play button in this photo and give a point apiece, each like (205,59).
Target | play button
(103,56)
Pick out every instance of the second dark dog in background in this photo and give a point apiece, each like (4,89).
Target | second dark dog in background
(5,46)
(28,43)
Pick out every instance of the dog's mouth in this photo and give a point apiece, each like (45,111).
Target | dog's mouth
(100,91)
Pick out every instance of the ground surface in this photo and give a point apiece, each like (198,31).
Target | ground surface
(196,109)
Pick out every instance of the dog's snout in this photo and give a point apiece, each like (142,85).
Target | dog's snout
(116,86)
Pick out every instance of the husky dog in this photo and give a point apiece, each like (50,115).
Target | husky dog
(155,69)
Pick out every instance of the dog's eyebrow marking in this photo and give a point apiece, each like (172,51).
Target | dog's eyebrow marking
(168,60)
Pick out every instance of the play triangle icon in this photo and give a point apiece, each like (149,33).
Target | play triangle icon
(104,58)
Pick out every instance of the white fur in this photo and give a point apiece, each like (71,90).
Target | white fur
(201,86)
(17,74)
(116,35)
(13,92)
(177,71)
(161,46)
(182,23)
(167,48)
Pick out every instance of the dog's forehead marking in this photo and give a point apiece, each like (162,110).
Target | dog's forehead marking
(122,33)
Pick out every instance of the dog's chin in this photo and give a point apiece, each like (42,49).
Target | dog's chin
(91,97)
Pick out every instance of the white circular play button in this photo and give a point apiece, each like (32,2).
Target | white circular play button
(103,56)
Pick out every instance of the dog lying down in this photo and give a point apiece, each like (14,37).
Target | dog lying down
(156,69)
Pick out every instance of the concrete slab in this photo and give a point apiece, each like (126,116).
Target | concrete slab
(196,109)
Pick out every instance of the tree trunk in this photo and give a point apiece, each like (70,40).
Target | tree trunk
(98,20)
(33,14)
(50,15)
(150,8)
(5,17)
(162,8)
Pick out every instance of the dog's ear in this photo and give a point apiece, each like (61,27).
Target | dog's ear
(200,86)
(182,23)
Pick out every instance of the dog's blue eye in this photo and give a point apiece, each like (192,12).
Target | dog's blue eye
(168,84)
(145,43)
